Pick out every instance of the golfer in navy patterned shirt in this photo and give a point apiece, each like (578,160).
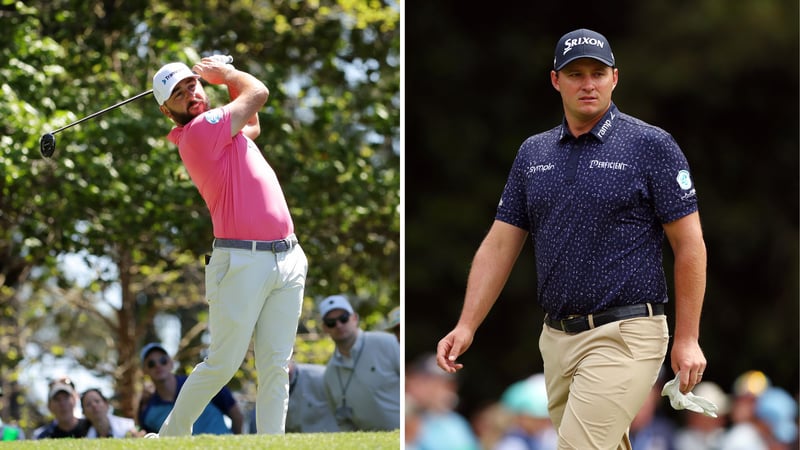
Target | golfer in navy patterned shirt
(597,194)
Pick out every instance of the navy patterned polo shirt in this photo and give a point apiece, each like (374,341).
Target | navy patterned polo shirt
(594,206)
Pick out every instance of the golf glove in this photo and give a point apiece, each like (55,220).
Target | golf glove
(225,59)
(688,401)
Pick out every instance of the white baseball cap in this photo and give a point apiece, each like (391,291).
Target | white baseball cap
(61,387)
(334,302)
(168,77)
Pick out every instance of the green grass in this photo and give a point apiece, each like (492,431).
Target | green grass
(292,441)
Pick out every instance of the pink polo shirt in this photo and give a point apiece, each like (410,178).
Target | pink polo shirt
(238,185)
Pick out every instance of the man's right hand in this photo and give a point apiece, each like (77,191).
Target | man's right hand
(213,69)
(451,347)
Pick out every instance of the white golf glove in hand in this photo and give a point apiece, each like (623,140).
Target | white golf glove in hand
(225,59)
(688,401)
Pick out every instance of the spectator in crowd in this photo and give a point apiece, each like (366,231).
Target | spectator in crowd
(490,422)
(392,324)
(532,428)
(308,405)
(702,432)
(308,410)
(155,406)
(103,423)
(746,389)
(61,401)
(10,432)
(362,378)
(413,415)
(773,427)
(435,394)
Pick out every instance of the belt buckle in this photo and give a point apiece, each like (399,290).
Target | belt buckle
(280,245)
(563,322)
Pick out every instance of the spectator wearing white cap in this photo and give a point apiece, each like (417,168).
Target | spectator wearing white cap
(362,378)
(61,401)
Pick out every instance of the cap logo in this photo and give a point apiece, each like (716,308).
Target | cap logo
(169,75)
(569,44)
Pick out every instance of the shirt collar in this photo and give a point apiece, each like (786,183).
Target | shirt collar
(602,128)
(357,345)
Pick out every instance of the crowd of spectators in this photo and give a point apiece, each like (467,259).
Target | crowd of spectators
(754,415)
(358,390)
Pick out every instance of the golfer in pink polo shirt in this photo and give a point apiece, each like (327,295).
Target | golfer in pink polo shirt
(257,271)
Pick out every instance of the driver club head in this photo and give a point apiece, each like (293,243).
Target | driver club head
(47,144)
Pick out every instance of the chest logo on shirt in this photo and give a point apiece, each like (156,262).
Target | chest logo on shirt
(540,168)
(213,116)
(684,180)
(608,165)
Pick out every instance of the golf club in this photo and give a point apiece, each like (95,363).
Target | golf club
(47,143)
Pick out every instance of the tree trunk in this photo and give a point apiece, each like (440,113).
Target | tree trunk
(128,370)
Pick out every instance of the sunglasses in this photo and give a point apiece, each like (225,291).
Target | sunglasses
(163,360)
(330,323)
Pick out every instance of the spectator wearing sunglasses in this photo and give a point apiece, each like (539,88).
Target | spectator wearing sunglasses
(157,404)
(362,378)
(61,401)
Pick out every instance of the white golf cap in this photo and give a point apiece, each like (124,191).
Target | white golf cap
(167,78)
(61,387)
(334,302)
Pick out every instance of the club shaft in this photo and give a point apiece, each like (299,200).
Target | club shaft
(103,111)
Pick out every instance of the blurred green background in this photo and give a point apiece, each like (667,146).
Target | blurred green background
(720,76)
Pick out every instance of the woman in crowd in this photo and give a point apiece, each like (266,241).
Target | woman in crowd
(103,422)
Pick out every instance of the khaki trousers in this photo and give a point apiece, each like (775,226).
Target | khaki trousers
(598,379)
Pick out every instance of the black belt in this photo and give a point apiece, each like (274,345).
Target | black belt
(578,324)
(279,246)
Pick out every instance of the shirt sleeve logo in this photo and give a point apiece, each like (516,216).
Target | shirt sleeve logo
(684,180)
(214,116)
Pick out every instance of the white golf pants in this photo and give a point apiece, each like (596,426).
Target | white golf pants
(249,292)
